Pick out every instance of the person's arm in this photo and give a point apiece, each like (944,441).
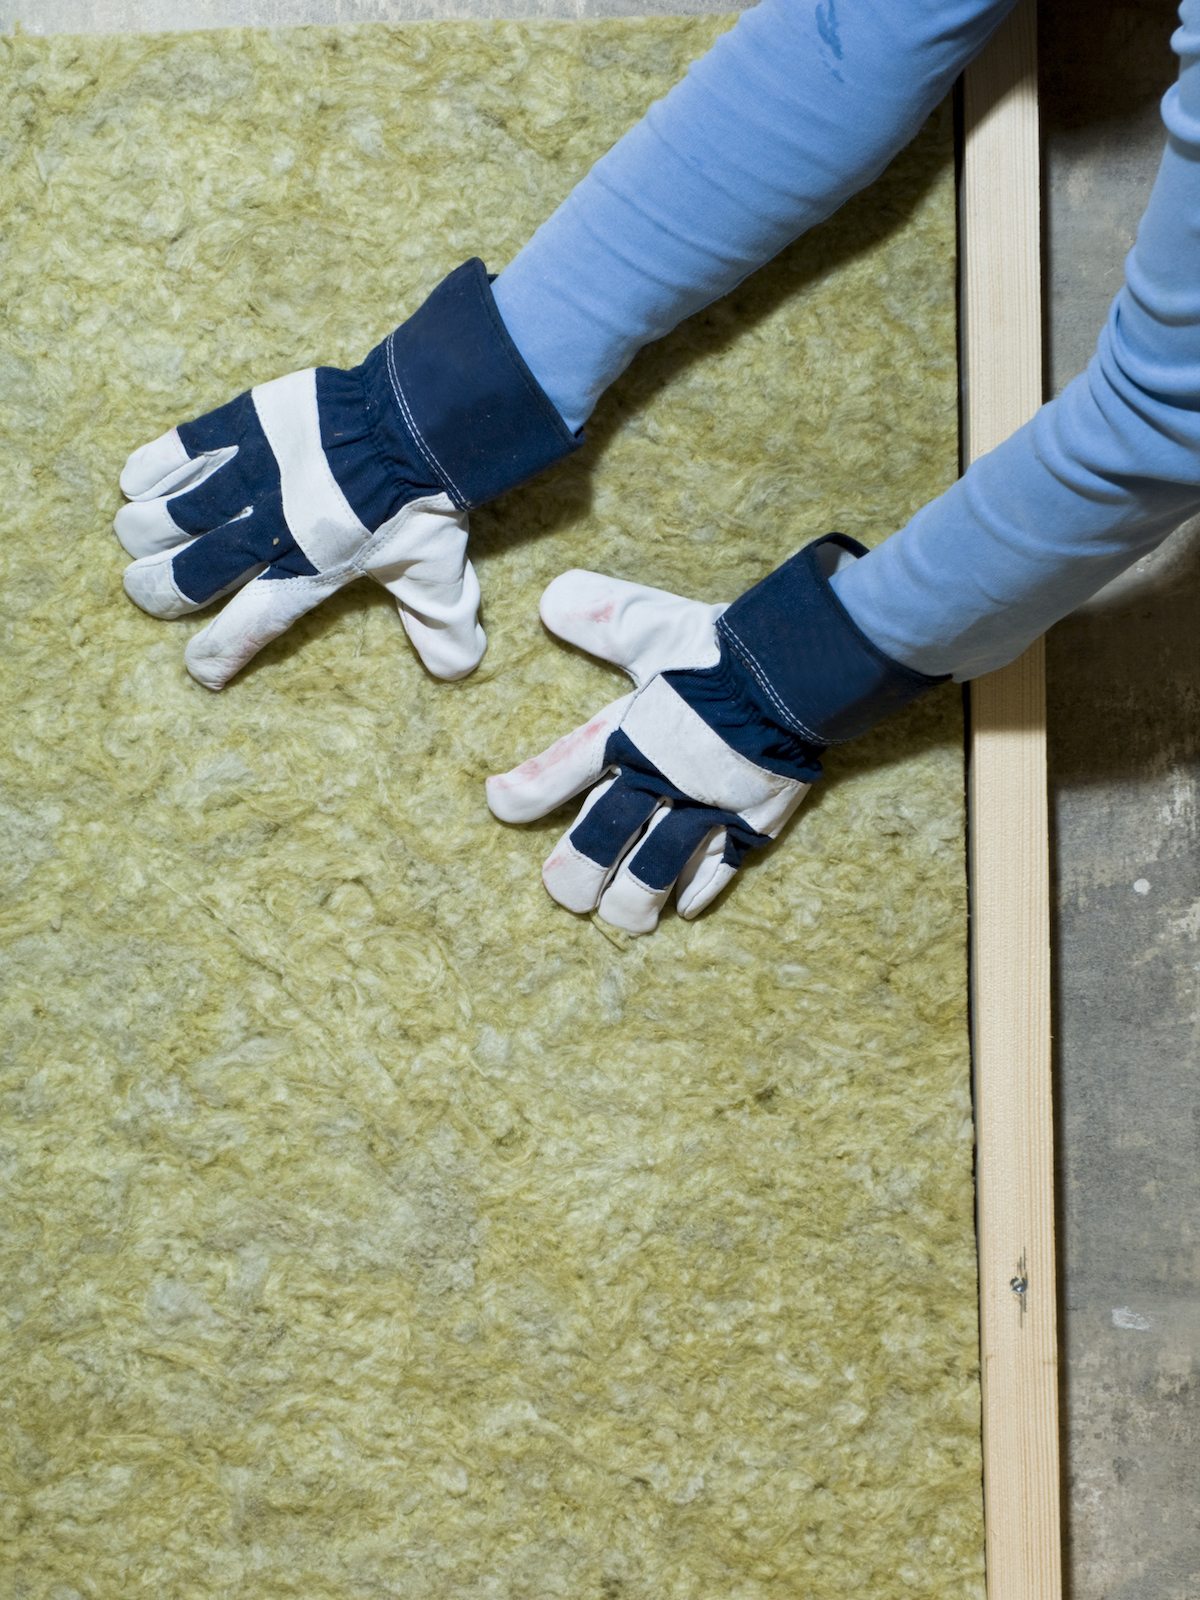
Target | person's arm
(790,113)
(801,104)
(733,707)
(309,482)
(1096,480)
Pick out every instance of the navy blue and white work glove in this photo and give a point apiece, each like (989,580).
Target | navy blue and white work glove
(302,485)
(732,708)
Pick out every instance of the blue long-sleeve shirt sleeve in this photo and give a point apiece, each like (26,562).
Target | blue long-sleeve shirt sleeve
(793,110)
(1093,482)
(801,104)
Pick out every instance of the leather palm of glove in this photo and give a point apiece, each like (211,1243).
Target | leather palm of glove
(295,489)
(718,744)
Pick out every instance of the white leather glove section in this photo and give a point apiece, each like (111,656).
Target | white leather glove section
(419,556)
(640,630)
(668,788)
(423,565)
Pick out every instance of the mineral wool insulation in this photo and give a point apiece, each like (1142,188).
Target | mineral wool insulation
(373,1226)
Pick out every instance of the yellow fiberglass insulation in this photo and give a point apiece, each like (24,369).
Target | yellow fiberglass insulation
(372,1226)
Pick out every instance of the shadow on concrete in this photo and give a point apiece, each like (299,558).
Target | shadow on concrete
(1123,673)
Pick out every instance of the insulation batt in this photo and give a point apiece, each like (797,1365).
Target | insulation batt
(372,1226)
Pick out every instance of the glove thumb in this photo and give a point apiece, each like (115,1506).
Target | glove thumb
(644,631)
(421,560)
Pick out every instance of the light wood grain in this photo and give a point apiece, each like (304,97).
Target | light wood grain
(1009,856)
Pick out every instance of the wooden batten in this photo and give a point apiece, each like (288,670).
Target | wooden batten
(1009,856)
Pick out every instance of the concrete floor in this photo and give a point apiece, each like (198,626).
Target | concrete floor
(1124,696)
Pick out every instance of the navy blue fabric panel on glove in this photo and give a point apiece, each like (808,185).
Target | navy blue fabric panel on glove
(717,745)
(289,492)
(464,398)
(823,677)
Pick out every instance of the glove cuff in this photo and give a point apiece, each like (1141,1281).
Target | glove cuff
(823,677)
(454,386)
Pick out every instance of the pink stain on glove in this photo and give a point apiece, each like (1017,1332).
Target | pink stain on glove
(564,749)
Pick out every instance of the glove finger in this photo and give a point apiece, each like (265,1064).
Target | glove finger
(204,569)
(423,565)
(260,612)
(233,552)
(717,861)
(165,466)
(640,889)
(705,875)
(154,478)
(446,632)
(545,781)
(641,630)
(147,528)
(629,903)
(217,497)
(421,560)
(225,495)
(612,818)
(150,583)
(185,483)
(240,471)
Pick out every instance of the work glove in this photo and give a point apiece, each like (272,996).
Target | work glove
(721,739)
(295,489)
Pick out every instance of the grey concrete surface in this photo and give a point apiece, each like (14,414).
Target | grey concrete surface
(1124,696)
(1124,721)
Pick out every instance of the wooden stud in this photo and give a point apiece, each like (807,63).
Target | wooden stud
(1009,857)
